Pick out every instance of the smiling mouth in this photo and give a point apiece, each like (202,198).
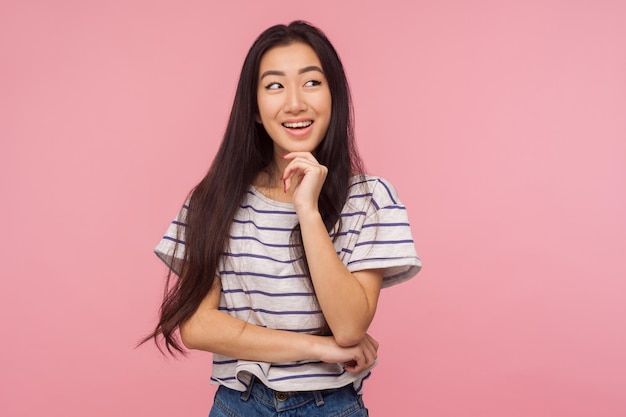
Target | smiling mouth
(298,125)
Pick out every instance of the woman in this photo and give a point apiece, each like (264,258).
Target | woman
(282,249)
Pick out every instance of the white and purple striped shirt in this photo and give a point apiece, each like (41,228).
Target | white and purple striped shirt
(260,284)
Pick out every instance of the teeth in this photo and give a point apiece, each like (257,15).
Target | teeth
(298,124)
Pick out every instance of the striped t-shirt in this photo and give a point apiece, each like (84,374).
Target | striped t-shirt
(261,285)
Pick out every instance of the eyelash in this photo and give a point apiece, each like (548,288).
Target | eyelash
(315,83)
(270,86)
(275,86)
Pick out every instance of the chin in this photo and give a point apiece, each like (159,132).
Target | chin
(300,148)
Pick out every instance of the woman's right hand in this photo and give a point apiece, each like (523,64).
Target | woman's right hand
(355,358)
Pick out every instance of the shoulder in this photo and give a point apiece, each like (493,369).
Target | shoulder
(380,190)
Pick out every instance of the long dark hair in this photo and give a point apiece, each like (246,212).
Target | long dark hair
(246,150)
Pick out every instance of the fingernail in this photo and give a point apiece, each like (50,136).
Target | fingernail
(283,156)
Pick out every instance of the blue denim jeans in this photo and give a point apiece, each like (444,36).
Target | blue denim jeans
(261,401)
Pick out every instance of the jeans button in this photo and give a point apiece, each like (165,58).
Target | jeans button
(281,396)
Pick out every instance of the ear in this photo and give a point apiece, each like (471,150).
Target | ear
(257,119)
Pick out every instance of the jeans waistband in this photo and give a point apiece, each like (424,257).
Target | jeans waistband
(283,400)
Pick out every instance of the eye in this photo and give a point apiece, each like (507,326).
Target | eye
(312,83)
(273,86)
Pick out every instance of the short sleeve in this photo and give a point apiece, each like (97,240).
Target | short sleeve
(385,240)
(171,248)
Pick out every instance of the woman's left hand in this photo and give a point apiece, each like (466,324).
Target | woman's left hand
(307,177)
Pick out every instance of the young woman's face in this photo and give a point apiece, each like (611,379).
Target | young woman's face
(293,98)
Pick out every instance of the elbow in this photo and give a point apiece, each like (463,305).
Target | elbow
(349,338)
(349,332)
(186,335)
(189,334)
(197,333)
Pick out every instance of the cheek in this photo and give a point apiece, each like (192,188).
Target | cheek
(324,104)
(267,107)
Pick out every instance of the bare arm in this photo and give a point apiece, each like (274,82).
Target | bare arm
(215,331)
(347,299)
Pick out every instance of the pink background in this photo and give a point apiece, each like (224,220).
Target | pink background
(501,123)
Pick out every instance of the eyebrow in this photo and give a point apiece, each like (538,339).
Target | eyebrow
(300,71)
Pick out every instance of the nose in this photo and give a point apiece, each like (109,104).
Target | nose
(294,101)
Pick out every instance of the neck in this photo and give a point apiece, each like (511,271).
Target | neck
(268,182)
(279,163)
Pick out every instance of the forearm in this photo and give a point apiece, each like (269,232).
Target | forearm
(348,300)
(347,305)
(216,331)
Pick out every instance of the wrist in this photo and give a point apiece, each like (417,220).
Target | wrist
(308,214)
(317,347)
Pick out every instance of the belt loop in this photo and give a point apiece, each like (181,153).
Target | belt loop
(246,394)
(319,399)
